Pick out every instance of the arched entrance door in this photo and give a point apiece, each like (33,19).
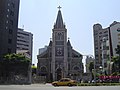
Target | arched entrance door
(59,73)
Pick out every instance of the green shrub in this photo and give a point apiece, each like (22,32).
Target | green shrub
(98,84)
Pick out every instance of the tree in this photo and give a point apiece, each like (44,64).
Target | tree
(115,60)
(16,58)
(91,67)
(118,52)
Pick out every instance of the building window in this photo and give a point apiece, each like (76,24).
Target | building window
(23,34)
(9,50)
(11,22)
(59,42)
(7,16)
(8,4)
(11,13)
(10,31)
(105,64)
(68,66)
(100,32)
(6,21)
(106,32)
(8,10)
(9,41)
(6,27)
(13,5)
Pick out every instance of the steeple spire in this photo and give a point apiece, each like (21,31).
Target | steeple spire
(68,43)
(59,21)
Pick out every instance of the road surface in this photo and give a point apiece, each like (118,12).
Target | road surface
(50,87)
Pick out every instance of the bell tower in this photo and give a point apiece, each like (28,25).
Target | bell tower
(59,64)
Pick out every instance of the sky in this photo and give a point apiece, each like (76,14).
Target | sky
(39,16)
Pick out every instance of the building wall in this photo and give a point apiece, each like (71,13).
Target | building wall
(41,50)
(9,10)
(24,41)
(115,36)
(75,66)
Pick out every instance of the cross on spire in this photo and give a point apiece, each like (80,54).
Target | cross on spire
(50,39)
(68,38)
(59,7)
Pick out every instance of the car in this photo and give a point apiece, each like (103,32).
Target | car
(65,82)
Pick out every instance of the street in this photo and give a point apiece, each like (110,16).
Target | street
(50,87)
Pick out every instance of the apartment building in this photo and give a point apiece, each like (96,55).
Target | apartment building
(24,42)
(105,42)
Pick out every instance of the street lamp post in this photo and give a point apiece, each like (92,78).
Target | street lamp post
(101,71)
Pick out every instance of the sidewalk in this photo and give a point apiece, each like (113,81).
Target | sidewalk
(41,84)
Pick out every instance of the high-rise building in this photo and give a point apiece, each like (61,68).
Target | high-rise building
(99,35)
(9,10)
(105,42)
(24,43)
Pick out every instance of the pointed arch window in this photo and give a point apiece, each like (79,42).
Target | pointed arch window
(59,35)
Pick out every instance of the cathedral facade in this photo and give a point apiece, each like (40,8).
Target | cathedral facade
(59,59)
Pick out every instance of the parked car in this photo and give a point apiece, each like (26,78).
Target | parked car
(65,82)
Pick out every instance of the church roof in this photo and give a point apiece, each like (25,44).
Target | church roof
(76,54)
(59,21)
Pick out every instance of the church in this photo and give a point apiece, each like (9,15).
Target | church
(59,59)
